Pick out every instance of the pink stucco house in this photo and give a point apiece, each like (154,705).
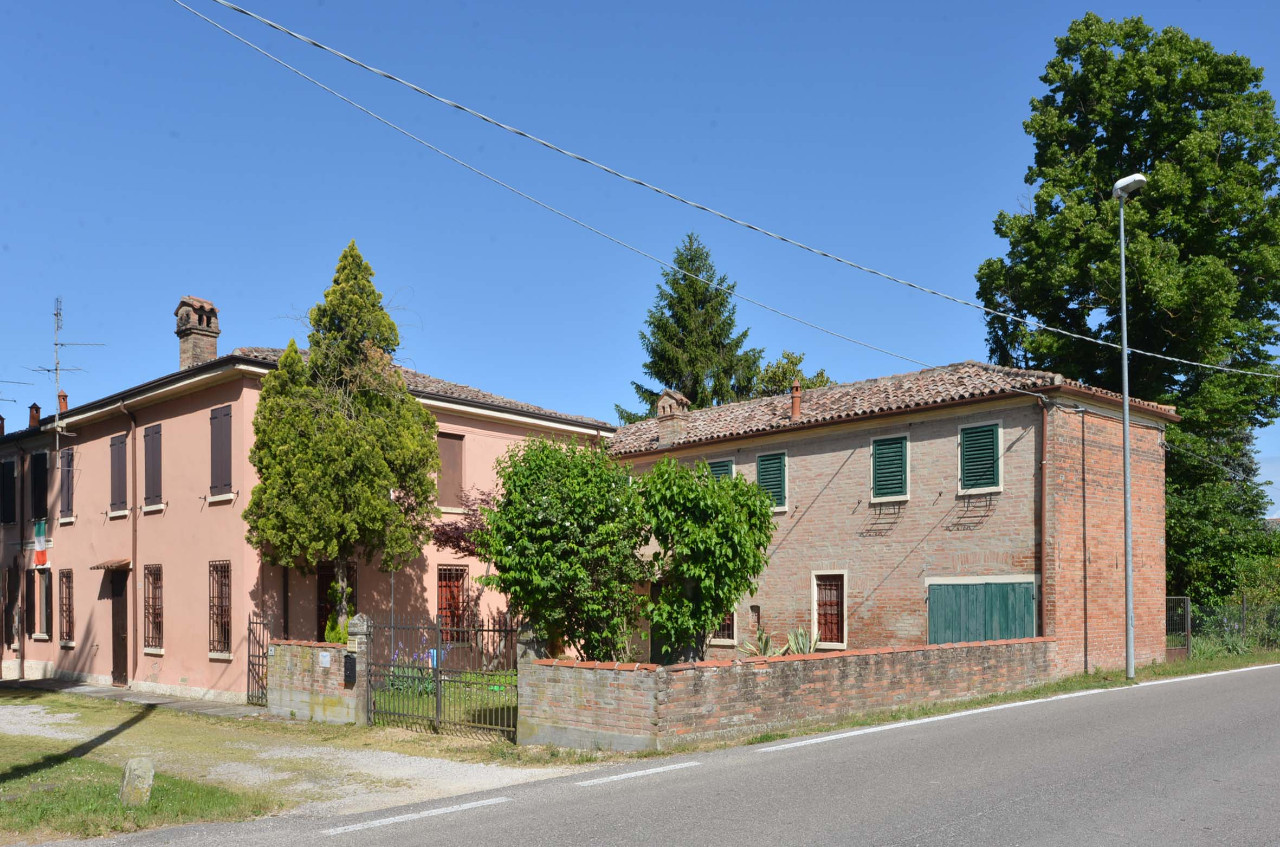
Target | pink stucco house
(149,581)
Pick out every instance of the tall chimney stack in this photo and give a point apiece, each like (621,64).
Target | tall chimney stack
(795,400)
(197,332)
(673,415)
(62,401)
(35,415)
(1,424)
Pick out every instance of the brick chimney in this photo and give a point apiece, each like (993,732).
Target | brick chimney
(1,424)
(795,400)
(35,415)
(62,401)
(673,415)
(197,332)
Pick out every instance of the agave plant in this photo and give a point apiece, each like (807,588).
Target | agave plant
(801,641)
(762,646)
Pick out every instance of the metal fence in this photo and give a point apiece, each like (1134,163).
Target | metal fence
(259,638)
(423,675)
(1235,627)
(1177,628)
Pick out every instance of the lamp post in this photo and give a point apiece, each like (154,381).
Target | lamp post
(1122,191)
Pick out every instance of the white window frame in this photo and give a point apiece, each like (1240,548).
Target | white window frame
(727,642)
(1003,579)
(999,486)
(786,477)
(843,573)
(871,469)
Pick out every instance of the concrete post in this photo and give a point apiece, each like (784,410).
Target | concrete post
(359,629)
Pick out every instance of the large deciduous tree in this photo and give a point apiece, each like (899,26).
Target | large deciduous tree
(1203,263)
(711,535)
(778,376)
(345,455)
(562,536)
(692,341)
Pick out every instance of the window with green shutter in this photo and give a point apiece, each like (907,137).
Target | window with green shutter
(889,467)
(771,475)
(721,468)
(980,457)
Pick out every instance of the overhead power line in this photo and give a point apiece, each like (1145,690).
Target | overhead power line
(1030,322)
(565,215)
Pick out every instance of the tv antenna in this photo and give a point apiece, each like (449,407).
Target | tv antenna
(58,370)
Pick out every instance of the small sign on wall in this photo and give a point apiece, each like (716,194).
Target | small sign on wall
(271,650)
(326,659)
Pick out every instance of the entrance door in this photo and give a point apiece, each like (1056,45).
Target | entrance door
(119,627)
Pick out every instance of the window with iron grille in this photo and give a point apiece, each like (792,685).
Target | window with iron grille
(66,613)
(725,632)
(153,607)
(46,602)
(220,607)
(449,600)
(829,607)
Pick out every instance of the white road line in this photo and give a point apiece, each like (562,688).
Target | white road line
(632,774)
(918,721)
(415,816)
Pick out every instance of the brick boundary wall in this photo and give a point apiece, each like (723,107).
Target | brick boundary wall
(298,687)
(627,707)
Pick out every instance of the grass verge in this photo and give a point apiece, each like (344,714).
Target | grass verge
(45,791)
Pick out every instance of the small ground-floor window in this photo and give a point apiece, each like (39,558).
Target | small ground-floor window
(153,607)
(66,611)
(828,608)
(725,633)
(220,607)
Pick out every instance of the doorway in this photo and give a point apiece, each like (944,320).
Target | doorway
(119,627)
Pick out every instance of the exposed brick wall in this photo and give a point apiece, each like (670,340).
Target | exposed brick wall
(890,550)
(297,686)
(639,706)
(1084,579)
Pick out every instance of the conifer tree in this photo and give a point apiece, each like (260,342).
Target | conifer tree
(692,342)
(345,455)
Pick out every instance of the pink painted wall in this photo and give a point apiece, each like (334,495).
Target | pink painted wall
(190,532)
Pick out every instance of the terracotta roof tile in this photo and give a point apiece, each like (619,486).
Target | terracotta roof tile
(848,401)
(420,383)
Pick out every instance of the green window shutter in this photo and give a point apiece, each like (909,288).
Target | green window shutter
(721,469)
(979,457)
(771,475)
(889,467)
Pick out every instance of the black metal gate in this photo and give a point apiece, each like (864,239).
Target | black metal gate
(259,638)
(426,676)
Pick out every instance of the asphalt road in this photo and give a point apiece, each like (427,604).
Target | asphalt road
(1182,762)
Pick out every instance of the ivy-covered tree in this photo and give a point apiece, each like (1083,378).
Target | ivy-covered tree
(345,455)
(711,536)
(692,341)
(562,537)
(777,377)
(1203,263)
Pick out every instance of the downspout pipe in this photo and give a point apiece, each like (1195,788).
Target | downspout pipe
(133,531)
(1044,508)
(20,627)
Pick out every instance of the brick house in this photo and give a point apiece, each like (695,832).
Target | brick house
(149,581)
(963,503)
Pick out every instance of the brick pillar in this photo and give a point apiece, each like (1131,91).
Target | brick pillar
(358,630)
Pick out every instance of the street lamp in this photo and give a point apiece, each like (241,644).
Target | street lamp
(1122,190)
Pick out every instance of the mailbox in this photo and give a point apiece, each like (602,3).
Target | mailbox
(349,669)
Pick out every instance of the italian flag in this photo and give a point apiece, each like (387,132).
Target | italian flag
(42,556)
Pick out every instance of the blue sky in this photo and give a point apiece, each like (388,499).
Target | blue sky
(147,156)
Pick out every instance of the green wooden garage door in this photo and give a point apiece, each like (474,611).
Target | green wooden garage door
(981,612)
